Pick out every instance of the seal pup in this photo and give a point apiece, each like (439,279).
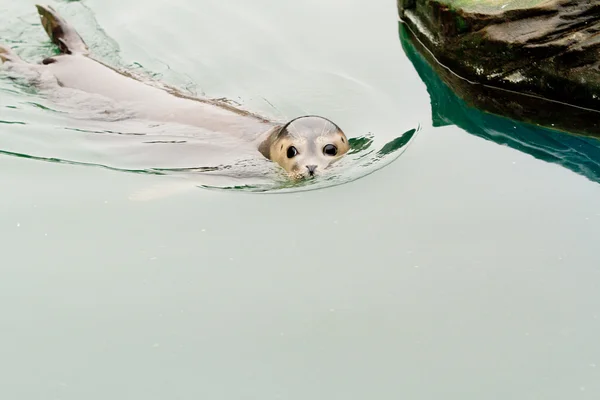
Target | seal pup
(303,147)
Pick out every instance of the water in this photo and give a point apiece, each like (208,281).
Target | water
(464,268)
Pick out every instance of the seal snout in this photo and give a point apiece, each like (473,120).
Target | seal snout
(311,169)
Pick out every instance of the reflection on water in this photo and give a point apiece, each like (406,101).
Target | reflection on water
(580,154)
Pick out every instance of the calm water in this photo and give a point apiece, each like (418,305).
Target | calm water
(466,268)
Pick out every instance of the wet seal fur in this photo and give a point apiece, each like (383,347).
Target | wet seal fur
(303,147)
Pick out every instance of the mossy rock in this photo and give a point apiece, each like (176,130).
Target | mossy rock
(547,48)
(495,6)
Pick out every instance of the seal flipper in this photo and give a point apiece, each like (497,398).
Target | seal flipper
(7,55)
(60,32)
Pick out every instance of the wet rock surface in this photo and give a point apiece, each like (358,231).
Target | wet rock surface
(543,48)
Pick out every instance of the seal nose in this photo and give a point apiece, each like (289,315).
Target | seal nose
(311,169)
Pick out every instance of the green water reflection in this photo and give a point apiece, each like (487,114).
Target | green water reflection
(579,154)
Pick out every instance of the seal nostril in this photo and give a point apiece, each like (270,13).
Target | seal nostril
(311,169)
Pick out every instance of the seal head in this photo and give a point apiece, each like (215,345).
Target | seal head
(306,146)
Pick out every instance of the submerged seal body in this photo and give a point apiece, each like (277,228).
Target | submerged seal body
(303,147)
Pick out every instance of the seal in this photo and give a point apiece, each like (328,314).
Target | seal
(304,146)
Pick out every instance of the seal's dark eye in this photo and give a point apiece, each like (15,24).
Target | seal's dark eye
(291,152)
(330,150)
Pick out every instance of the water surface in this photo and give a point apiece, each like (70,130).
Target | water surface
(463,269)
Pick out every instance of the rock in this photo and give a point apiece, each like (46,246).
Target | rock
(544,48)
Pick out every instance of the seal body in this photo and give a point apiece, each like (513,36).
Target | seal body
(148,102)
(303,146)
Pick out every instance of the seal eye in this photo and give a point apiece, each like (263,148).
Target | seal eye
(291,152)
(330,150)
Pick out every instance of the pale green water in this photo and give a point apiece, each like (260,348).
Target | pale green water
(462,270)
